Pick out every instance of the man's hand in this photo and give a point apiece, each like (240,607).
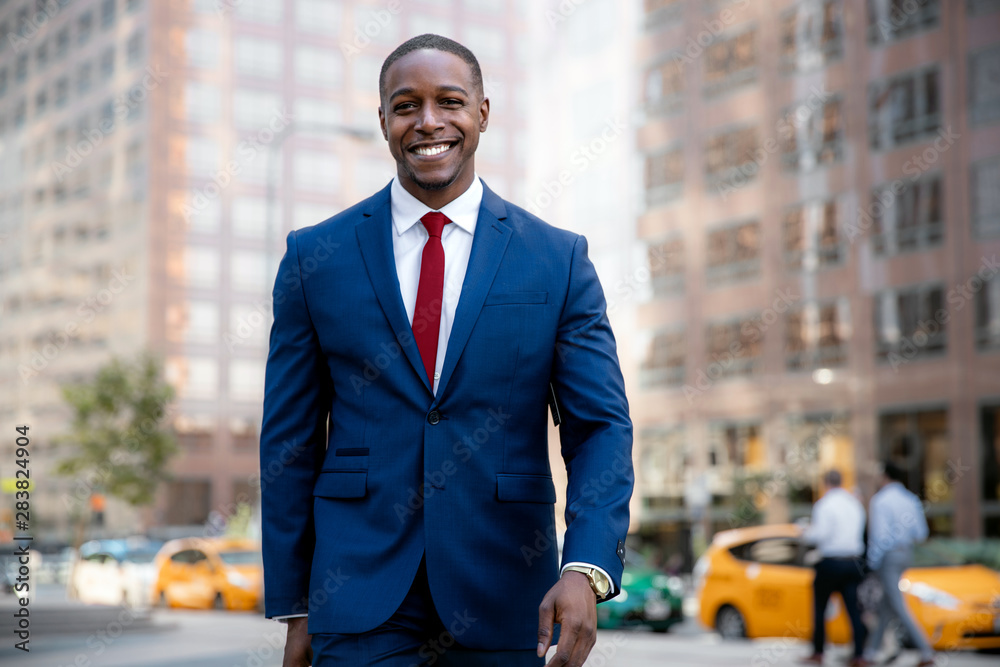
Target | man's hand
(298,643)
(573,604)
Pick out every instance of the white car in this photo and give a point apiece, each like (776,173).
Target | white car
(114,572)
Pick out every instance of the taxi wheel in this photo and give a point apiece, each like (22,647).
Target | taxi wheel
(730,624)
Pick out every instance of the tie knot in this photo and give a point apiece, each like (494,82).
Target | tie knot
(434,222)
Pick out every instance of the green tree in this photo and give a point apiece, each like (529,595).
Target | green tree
(118,440)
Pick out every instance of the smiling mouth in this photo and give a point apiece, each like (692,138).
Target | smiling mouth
(431,150)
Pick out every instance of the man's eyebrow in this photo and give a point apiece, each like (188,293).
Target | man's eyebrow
(408,91)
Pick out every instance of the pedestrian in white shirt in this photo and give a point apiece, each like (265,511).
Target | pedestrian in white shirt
(897,523)
(838,530)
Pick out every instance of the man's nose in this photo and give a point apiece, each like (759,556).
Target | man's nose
(429,119)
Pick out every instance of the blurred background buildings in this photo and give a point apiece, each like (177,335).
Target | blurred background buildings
(789,204)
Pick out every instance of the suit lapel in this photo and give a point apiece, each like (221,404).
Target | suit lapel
(375,239)
(488,246)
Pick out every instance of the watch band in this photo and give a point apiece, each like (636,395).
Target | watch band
(598,582)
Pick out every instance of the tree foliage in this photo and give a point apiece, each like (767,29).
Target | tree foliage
(118,440)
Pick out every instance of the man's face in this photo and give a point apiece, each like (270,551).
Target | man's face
(431,116)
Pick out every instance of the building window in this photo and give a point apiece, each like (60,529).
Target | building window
(256,108)
(202,48)
(108,63)
(731,62)
(666,266)
(41,102)
(42,55)
(258,57)
(3,81)
(988,315)
(664,176)
(664,86)
(984,86)
(811,134)
(904,108)
(317,67)
(20,113)
(203,214)
(664,459)
(316,171)
(62,42)
(134,48)
(202,322)
(490,42)
(811,237)
(62,92)
(978,7)
(202,156)
(188,501)
(734,348)
(816,335)
(889,20)
(249,325)
(249,218)
(260,11)
(83,78)
(21,67)
(733,253)
(908,220)
(248,271)
(729,158)
(985,189)
(736,445)
(661,12)
(989,419)
(910,324)
(319,16)
(816,443)
(812,35)
(666,352)
(107,13)
(246,380)
(202,266)
(84,27)
(202,102)
(918,442)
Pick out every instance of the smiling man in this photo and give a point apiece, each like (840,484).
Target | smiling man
(409,378)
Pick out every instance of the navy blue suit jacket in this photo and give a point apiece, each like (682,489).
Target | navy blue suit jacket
(364,469)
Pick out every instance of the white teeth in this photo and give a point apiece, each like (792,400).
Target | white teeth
(431,150)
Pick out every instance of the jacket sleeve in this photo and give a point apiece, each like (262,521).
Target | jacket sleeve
(297,398)
(596,431)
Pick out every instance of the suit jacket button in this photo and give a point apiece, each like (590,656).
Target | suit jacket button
(434,417)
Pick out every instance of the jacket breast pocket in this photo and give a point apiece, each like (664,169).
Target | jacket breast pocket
(516,298)
(512,488)
(341,484)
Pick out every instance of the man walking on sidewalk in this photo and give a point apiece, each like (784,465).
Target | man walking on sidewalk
(897,523)
(838,530)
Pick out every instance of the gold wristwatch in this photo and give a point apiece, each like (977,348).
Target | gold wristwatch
(597,580)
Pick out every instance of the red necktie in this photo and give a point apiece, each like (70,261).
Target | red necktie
(430,293)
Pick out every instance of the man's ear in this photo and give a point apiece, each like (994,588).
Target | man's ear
(484,114)
(381,124)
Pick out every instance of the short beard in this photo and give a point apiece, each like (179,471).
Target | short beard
(431,185)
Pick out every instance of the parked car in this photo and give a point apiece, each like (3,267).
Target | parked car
(648,597)
(206,573)
(757,582)
(114,572)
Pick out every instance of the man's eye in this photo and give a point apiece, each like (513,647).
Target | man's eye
(452,102)
(404,106)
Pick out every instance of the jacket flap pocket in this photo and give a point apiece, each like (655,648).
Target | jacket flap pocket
(341,484)
(525,488)
(511,298)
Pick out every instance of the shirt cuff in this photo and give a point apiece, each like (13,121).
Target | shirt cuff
(599,569)
(284,619)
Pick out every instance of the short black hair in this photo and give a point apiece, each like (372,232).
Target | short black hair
(893,471)
(832,478)
(436,43)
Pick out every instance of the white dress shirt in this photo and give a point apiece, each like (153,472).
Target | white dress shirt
(838,524)
(897,522)
(408,239)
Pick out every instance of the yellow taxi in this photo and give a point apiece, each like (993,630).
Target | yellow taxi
(757,582)
(207,573)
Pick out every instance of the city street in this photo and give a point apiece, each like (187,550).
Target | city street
(168,638)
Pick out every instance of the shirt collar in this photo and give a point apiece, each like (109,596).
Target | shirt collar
(463,210)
